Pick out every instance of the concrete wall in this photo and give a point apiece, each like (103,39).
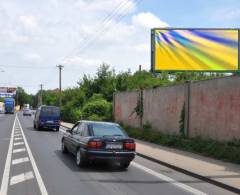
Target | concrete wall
(162,108)
(124,105)
(214,110)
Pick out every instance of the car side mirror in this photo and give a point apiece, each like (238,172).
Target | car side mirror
(69,131)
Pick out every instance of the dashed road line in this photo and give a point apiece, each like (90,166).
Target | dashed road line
(20,160)
(21,177)
(5,178)
(19,150)
(18,138)
(34,165)
(18,143)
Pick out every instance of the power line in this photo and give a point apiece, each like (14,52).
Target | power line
(116,12)
(39,67)
(99,33)
(27,67)
(104,21)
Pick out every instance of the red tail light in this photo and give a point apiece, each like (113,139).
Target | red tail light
(130,146)
(95,144)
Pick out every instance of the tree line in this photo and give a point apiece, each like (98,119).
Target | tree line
(92,97)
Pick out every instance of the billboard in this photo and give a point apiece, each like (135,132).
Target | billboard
(195,50)
(7,92)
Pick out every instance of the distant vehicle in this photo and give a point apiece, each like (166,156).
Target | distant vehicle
(27,112)
(26,106)
(9,105)
(47,117)
(93,141)
(2,108)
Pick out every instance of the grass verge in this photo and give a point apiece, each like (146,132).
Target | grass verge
(226,151)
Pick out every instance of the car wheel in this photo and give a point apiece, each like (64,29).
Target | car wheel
(80,161)
(34,126)
(63,147)
(125,165)
(57,128)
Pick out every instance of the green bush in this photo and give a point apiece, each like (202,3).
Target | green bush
(97,108)
(70,113)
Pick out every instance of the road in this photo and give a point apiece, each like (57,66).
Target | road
(31,163)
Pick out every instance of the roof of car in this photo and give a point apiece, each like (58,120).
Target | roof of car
(44,106)
(99,122)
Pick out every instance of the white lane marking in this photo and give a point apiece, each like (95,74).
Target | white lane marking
(20,160)
(168,179)
(5,178)
(19,150)
(62,130)
(21,177)
(34,165)
(18,138)
(18,143)
(163,177)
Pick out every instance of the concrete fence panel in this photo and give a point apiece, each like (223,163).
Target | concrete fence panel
(162,108)
(124,105)
(214,110)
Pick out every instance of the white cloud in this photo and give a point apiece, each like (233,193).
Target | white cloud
(32,58)
(142,47)
(81,62)
(29,23)
(148,20)
(42,33)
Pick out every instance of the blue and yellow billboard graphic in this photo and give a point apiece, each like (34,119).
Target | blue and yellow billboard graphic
(195,49)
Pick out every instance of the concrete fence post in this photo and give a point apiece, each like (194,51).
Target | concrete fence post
(187,107)
(141,107)
(113,107)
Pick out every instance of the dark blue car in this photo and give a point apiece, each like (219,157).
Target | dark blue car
(47,117)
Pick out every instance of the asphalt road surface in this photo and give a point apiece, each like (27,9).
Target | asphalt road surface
(31,163)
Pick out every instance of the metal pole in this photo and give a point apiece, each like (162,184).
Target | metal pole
(40,101)
(140,68)
(60,84)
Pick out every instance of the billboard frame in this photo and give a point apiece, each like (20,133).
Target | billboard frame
(173,71)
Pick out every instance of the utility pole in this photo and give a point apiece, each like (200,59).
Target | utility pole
(60,67)
(140,68)
(40,97)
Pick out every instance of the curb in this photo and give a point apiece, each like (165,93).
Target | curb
(186,172)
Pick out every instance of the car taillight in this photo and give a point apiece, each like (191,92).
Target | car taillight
(130,146)
(94,144)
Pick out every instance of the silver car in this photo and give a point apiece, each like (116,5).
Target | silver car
(27,112)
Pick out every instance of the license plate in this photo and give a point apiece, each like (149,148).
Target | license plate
(114,146)
(49,121)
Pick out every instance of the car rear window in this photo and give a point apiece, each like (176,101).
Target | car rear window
(107,130)
(50,111)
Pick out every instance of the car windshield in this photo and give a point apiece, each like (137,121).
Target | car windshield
(50,111)
(107,130)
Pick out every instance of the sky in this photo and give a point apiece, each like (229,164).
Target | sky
(35,36)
